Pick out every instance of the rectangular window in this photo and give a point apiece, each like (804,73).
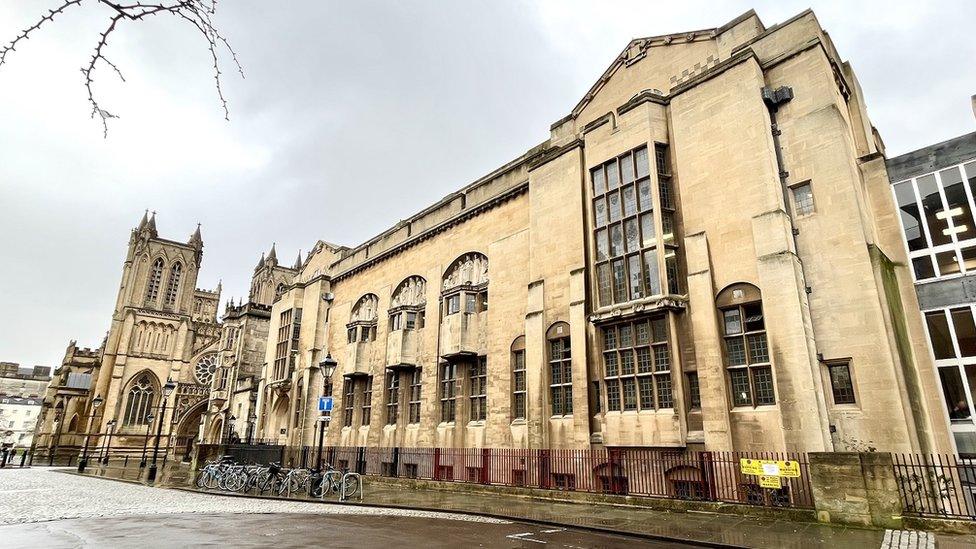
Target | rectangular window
(448,392)
(348,398)
(416,384)
(747,355)
(411,321)
(637,365)
(470,303)
(841,384)
(395,321)
(351,335)
(802,199)
(694,392)
(518,384)
(392,398)
(452,304)
(367,401)
(625,230)
(478,389)
(283,347)
(560,376)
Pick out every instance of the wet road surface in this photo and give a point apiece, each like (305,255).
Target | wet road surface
(282,530)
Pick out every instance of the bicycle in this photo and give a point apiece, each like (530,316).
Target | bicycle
(333,480)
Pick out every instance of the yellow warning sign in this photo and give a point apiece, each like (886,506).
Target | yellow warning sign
(770,482)
(769,468)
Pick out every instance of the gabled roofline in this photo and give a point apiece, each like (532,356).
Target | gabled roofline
(621,58)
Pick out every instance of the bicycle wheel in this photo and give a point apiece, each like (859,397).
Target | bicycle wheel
(202,478)
(330,482)
(212,480)
(351,485)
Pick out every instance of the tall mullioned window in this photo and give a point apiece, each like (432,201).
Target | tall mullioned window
(173,285)
(952,334)
(448,392)
(747,355)
(518,378)
(478,389)
(283,346)
(348,398)
(637,366)
(560,370)
(392,397)
(416,388)
(367,401)
(937,219)
(624,229)
(155,279)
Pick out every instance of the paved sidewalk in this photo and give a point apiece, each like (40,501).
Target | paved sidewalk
(694,526)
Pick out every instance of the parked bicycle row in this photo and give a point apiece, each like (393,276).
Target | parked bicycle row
(224,473)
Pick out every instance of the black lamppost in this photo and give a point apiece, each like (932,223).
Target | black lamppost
(96,402)
(145,443)
(108,447)
(251,419)
(167,390)
(327,367)
(231,433)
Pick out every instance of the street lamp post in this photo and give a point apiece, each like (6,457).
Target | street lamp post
(327,367)
(108,447)
(251,419)
(231,433)
(96,402)
(145,443)
(167,390)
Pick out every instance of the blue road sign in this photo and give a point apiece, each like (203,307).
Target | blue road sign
(325,404)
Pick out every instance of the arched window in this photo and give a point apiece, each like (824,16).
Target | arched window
(518,378)
(140,402)
(173,286)
(465,285)
(73,424)
(155,279)
(560,370)
(745,345)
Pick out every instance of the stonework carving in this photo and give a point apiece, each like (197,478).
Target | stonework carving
(412,291)
(205,368)
(471,269)
(365,309)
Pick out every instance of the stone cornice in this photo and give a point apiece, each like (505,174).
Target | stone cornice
(463,216)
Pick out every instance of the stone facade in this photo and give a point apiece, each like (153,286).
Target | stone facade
(163,330)
(704,254)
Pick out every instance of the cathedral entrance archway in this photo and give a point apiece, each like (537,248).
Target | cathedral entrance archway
(188,432)
(279,419)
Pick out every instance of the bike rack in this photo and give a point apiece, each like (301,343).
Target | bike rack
(342,488)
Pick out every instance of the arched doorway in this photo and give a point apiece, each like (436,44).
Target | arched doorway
(278,422)
(188,432)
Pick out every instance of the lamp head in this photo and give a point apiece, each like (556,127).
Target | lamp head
(328,365)
(97,401)
(168,388)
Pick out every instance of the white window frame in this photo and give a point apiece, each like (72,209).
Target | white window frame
(960,362)
(956,245)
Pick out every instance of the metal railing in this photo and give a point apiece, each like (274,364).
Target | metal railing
(675,474)
(937,485)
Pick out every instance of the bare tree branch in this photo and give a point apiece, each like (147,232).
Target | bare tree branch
(198,13)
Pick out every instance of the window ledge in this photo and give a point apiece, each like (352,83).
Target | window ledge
(519,421)
(476,423)
(762,408)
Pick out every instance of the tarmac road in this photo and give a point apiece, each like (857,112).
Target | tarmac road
(281,530)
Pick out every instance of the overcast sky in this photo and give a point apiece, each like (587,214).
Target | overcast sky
(353,115)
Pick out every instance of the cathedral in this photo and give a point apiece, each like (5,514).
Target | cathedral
(704,254)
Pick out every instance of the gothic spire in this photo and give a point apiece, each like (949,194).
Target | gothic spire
(272,256)
(144,222)
(260,262)
(298,262)
(196,240)
(151,226)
